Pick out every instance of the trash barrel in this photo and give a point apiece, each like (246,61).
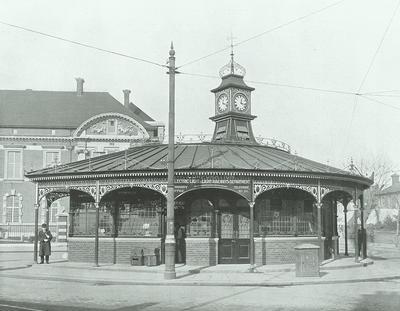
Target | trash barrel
(307,260)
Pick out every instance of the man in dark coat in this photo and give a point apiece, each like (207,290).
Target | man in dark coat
(45,247)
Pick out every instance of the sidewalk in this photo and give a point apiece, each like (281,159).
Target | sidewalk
(341,270)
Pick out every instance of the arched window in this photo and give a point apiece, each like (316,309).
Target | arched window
(12,205)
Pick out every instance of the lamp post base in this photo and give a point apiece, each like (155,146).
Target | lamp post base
(169,272)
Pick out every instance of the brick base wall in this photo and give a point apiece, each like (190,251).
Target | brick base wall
(201,251)
(111,250)
(278,250)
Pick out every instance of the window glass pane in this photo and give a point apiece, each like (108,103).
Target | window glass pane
(291,219)
(12,208)
(14,164)
(138,218)
(200,219)
(52,158)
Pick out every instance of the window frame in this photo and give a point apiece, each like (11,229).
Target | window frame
(6,162)
(18,199)
(46,151)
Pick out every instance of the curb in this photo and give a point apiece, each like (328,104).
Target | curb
(16,267)
(99,282)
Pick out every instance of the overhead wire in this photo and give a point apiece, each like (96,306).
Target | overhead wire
(371,63)
(261,34)
(82,44)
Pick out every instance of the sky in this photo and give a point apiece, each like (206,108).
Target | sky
(348,46)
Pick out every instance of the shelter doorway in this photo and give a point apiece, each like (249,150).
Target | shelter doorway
(234,225)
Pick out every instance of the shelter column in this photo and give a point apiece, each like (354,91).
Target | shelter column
(169,272)
(35,245)
(47,218)
(36,206)
(346,246)
(319,220)
(251,235)
(363,231)
(356,227)
(96,236)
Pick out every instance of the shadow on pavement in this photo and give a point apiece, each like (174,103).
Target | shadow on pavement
(380,300)
(15,305)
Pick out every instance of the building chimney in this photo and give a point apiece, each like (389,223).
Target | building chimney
(126,97)
(79,86)
(395,179)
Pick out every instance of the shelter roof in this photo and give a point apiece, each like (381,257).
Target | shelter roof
(56,109)
(201,156)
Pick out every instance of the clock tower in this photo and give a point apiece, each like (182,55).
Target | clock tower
(233,106)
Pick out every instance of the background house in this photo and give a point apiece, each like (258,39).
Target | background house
(47,128)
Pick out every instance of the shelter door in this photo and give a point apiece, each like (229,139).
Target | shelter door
(234,244)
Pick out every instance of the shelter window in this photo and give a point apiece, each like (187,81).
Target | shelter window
(138,218)
(200,224)
(290,217)
(83,220)
(13,209)
(14,164)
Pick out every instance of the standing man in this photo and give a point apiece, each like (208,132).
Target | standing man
(45,246)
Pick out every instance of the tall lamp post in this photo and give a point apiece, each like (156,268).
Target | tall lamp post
(169,272)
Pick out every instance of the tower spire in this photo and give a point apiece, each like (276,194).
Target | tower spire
(231,38)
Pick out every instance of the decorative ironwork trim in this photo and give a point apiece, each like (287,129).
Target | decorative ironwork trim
(259,188)
(159,187)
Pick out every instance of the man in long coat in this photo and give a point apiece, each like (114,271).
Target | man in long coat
(45,246)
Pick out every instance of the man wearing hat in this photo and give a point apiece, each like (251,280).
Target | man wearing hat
(45,247)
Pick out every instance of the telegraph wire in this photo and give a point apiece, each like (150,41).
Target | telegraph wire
(356,95)
(381,92)
(380,102)
(369,69)
(82,44)
(379,47)
(276,84)
(262,33)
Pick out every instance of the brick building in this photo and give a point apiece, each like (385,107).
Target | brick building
(42,129)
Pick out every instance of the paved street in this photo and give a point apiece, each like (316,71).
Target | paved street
(65,286)
(49,295)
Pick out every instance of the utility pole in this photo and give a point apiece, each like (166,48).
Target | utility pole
(169,272)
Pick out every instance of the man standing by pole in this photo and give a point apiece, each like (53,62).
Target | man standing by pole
(169,272)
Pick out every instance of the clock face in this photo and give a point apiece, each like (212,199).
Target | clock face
(222,103)
(241,102)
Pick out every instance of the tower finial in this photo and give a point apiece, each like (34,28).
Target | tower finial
(172,51)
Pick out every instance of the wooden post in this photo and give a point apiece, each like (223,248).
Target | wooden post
(252,262)
(169,272)
(346,246)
